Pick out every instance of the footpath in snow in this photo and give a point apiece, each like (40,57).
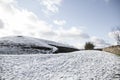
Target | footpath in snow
(81,65)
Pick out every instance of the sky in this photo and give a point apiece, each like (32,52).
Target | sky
(73,22)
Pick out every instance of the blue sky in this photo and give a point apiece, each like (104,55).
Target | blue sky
(66,21)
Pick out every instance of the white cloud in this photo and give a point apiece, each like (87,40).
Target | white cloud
(99,42)
(59,22)
(114,35)
(7,1)
(50,5)
(1,24)
(72,32)
(21,20)
(111,35)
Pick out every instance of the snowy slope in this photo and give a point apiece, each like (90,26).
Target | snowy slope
(31,40)
(56,43)
(29,45)
(81,65)
(23,40)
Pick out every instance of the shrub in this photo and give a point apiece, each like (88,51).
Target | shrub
(89,46)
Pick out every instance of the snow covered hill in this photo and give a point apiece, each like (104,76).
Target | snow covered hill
(29,45)
(80,65)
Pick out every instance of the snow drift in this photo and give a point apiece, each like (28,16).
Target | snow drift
(81,65)
(29,45)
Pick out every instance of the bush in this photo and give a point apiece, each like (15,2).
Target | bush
(89,46)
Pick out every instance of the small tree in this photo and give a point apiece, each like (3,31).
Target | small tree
(116,34)
(89,46)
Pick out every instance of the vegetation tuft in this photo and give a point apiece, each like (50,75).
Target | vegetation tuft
(89,46)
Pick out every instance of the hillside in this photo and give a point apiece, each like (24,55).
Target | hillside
(113,49)
(29,45)
(81,65)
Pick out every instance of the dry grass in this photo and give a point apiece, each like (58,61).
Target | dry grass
(113,49)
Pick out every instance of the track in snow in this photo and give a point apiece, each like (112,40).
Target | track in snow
(82,65)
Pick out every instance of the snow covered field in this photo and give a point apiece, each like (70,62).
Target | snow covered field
(81,65)
(31,45)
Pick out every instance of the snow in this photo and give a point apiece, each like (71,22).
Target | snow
(79,65)
(15,43)
(31,40)
(23,40)
(56,43)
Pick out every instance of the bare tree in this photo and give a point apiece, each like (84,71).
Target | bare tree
(116,33)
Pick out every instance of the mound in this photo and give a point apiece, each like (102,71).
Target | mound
(29,45)
(82,65)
